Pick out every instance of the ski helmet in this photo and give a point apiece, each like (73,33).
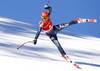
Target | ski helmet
(44,14)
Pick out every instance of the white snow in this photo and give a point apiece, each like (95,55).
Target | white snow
(83,49)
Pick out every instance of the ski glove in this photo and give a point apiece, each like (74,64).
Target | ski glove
(46,7)
(34,41)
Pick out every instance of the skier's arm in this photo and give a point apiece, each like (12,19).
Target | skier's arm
(49,9)
(37,34)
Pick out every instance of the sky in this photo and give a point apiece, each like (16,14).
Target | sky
(63,11)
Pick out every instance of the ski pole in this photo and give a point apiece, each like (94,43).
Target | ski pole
(24,44)
(48,2)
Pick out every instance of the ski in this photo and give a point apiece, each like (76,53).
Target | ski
(89,20)
(69,61)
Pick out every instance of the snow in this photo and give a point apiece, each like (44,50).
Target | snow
(44,56)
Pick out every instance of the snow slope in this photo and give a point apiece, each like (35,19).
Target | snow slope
(44,56)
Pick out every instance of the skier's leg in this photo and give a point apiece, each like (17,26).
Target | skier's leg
(64,25)
(78,20)
(56,42)
(73,22)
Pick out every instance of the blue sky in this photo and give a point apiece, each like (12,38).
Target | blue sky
(29,11)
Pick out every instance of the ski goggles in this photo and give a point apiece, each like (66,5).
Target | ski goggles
(45,18)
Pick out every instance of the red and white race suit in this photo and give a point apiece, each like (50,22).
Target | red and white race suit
(46,26)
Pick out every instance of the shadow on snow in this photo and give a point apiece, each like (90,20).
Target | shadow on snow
(31,52)
(90,64)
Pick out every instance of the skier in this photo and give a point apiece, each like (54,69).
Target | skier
(52,31)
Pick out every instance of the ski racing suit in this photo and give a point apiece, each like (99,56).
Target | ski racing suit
(52,31)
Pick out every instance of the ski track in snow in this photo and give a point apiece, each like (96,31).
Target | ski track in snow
(44,56)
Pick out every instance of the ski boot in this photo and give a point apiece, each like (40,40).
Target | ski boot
(69,60)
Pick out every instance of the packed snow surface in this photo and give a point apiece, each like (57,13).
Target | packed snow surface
(82,49)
